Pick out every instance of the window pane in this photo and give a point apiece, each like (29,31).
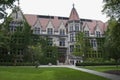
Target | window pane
(76,27)
(62,32)
(86,33)
(50,31)
(93,42)
(50,41)
(97,34)
(36,30)
(71,27)
(71,37)
(71,48)
(62,42)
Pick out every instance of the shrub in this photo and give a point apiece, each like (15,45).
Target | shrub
(96,64)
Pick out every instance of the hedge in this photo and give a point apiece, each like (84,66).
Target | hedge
(17,64)
(96,64)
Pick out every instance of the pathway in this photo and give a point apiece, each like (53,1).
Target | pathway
(106,75)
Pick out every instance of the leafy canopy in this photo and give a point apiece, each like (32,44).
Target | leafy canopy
(112,8)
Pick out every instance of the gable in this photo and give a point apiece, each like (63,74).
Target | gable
(37,24)
(17,15)
(50,25)
(97,27)
(62,26)
(86,27)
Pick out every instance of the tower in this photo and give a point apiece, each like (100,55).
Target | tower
(73,27)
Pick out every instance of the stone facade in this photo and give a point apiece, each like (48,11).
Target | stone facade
(62,31)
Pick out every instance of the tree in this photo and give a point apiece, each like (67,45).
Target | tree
(42,51)
(4,34)
(36,48)
(112,8)
(5,4)
(19,41)
(112,42)
(82,45)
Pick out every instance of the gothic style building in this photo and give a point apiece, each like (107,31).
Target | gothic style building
(62,31)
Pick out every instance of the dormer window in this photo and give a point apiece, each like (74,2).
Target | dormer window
(36,30)
(50,31)
(97,34)
(76,27)
(62,32)
(86,33)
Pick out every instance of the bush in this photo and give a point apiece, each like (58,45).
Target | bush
(96,64)
(17,64)
(95,60)
(46,61)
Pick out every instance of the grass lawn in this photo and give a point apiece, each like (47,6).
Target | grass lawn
(31,73)
(102,68)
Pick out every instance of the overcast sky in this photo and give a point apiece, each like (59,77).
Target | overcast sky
(89,9)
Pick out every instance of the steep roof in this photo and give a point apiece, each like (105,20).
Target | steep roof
(44,20)
(31,19)
(73,15)
(92,25)
(56,21)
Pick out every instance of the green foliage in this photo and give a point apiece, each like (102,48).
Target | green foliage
(82,45)
(112,43)
(5,35)
(41,51)
(96,64)
(5,4)
(95,60)
(15,43)
(112,8)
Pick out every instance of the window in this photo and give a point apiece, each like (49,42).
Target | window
(62,42)
(62,32)
(71,48)
(71,27)
(13,26)
(20,51)
(50,41)
(86,33)
(50,31)
(76,27)
(93,43)
(77,48)
(49,53)
(97,34)
(36,30)
(71,37)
